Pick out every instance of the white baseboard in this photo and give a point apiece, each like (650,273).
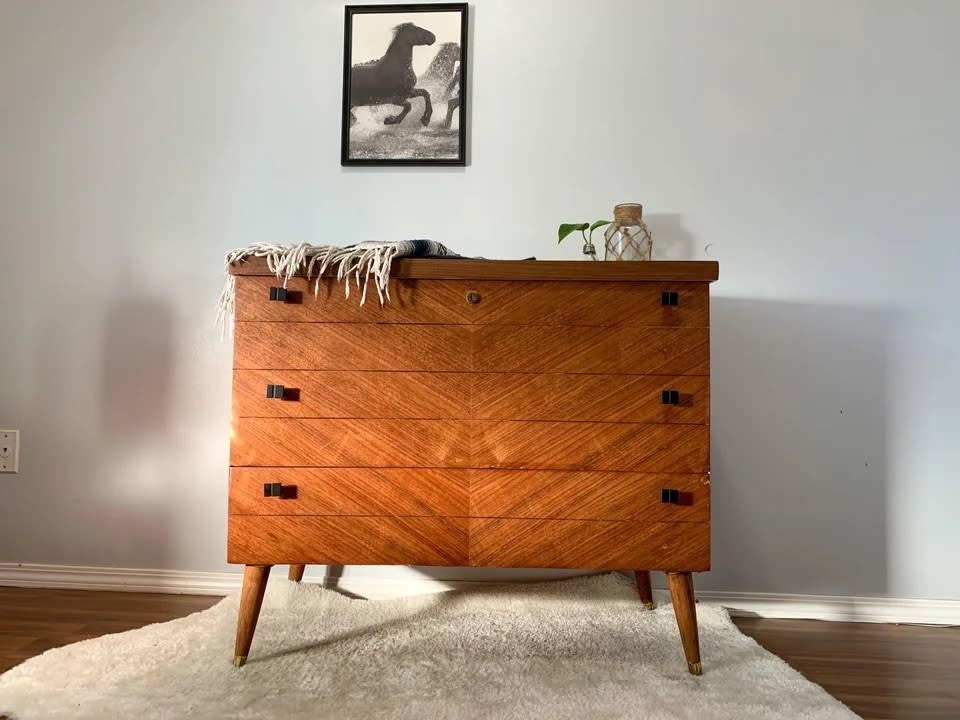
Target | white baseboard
(79,577)
(842,608)
(766,605)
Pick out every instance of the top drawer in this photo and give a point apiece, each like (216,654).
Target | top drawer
(486,302)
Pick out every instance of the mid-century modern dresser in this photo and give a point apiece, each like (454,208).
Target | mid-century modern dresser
(534,414)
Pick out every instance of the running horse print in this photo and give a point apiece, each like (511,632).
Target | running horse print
(390,80)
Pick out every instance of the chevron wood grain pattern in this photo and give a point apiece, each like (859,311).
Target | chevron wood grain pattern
(500,303)
(351,491)
(347,394)
(310,540)
(572,495)
(411,301)
(589,303)
(342,346)
(618,350)
(314,442)
(556,270)
(589,544)
(590,446)
(610,398)
(486,396)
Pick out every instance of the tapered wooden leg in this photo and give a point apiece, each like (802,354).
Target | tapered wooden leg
(296,573)
(643,588)
(251,598)
(684,607)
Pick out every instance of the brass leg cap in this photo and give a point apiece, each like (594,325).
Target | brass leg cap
(239,660)
(648,606)
(695,668)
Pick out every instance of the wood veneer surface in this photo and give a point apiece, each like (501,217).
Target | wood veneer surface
(590,446)
(485,396)
(418,492)
(313,442)
(494,303)
(342,346)
(619,350)
(503,542)
(483,348)
(350,443)
(555,270)
(587,495)
(350,394)
(284,539)
(589,398)
(352,491)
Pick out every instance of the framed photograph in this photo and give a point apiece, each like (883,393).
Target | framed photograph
(404,85)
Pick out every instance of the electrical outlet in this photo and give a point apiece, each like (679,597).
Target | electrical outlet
(9,451)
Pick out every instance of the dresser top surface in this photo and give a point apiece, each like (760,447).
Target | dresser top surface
(473,269)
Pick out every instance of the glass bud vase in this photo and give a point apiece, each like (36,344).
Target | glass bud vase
(627,237)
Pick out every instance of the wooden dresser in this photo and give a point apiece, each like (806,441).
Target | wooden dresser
(536,414)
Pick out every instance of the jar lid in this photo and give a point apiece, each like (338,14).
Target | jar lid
(628,213)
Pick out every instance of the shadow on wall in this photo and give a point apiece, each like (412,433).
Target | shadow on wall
(136,372)
(799,480)
(137,389)
(102,447)
(671,240)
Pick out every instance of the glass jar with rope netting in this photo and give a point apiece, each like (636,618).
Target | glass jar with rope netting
(627,237)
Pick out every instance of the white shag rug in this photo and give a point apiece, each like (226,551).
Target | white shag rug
(579,648)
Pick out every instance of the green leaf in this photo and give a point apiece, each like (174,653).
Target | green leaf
(567,228)
(599,224)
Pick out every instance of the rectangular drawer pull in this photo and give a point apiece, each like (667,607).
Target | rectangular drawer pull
(272,490)
(275,392)
(279,490)
(278,294)
(670,298)
(670,397)
(670,496)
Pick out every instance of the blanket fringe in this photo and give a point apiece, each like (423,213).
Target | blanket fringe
(362,263)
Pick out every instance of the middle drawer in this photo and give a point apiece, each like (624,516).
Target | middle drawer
(428,492)
(287,442)
(482,348)
(484,396)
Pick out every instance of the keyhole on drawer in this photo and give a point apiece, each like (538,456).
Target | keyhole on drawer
(473,297)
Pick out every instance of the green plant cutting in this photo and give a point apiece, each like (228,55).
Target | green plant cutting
(586,230)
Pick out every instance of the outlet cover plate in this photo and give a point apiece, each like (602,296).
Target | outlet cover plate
(9,451)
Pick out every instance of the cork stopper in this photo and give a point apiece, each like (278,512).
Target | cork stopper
(628,213)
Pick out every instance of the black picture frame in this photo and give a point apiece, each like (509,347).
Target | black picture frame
(379,135)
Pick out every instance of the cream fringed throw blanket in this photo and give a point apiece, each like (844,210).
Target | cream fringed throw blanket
(359,262)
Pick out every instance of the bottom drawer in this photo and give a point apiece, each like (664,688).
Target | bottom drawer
(593,544)
(285,539)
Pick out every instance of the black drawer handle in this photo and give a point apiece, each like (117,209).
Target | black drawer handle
(669,298)
(278,294)
(275,392)
(273,490)
(279,490)
(670,397)
(473,297)
(670,496)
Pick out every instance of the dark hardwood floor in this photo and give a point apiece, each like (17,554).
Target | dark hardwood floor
(880,671)
(33,620)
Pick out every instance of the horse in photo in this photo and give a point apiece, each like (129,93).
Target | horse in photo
(454,102)
(391,80)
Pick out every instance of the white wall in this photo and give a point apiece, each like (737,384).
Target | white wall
(810,147)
